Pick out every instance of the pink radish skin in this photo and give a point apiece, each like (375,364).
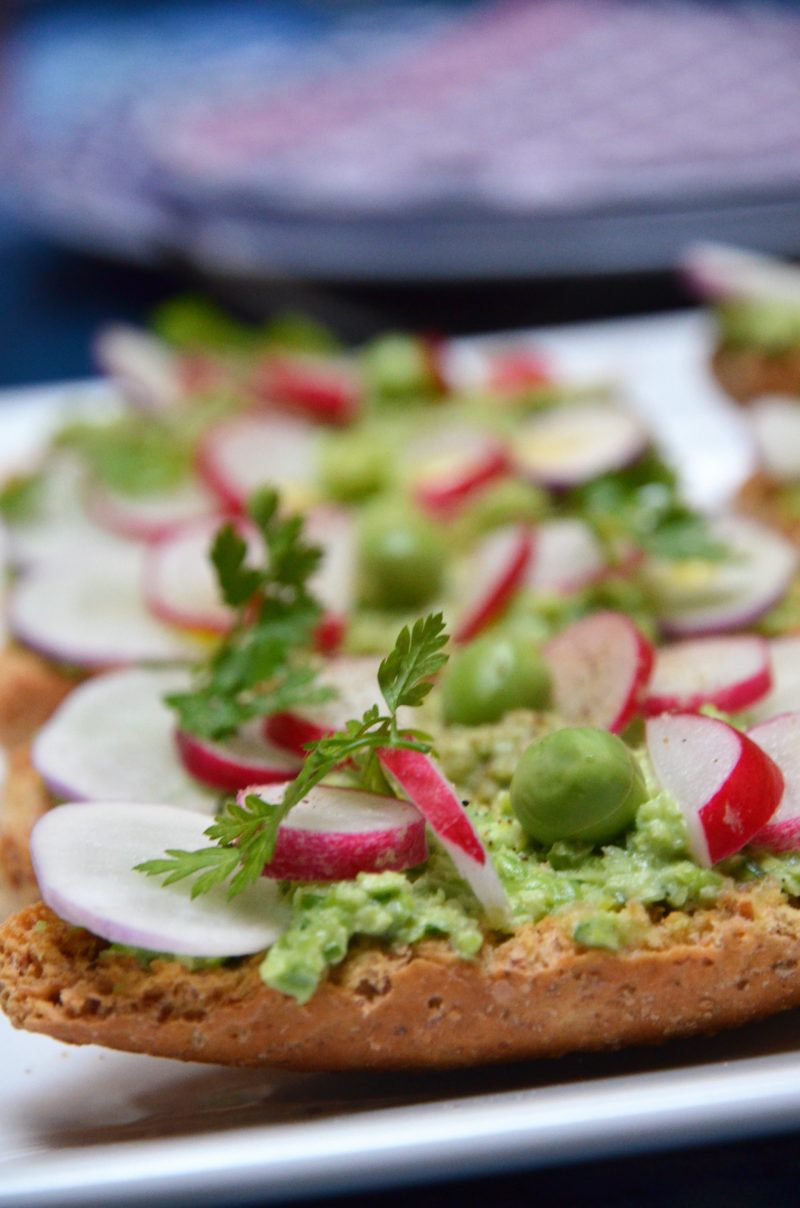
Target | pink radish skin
(152,517)
(728,672)
(245,759)
(321,391)
(237,457)
(424,785)
(459,463)
(354,681)
(335,833)
(600,667)
(497,571)
(725,785)
(780,738)
(84,856)
(570,445)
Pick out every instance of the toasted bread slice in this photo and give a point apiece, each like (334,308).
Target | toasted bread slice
(534,994)
(747,373)
(23,800)
(30,691)
(760,496)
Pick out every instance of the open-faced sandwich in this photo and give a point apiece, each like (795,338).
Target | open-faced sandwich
(562,837)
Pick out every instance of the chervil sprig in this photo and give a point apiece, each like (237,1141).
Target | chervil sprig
(245,834)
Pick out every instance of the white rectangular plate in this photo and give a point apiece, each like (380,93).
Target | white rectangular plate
(90,1127)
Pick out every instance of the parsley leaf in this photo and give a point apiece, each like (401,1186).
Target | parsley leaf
(245,834)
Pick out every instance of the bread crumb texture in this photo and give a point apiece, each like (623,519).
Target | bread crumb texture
(30,691)
(747,373)
(534,994)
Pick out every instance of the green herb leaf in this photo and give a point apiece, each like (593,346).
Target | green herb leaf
(20,495)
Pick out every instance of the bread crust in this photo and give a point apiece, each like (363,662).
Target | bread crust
(760,496)
(747,373)
(30,692)
(536,994)
(23,801)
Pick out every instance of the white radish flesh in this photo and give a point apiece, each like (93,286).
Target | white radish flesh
(494,574)
(567,556)
(784,696)
(728,672)
(716,597)
(150,517)
(600,667)
(247,758)
(726,786)
(93,615)
(424,785)
(335,833)
(237,457)
(84,856)
(780,738)
(112,739)
(717,271)
(775,421)
(354,683)
(449,465)
(333,583)
(573,444)
(147,371)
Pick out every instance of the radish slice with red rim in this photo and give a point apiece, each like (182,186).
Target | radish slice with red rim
(784,696)
(421,781)
(149,517)
(717,271)
(93,615)
(247,758)
(600,668)
(333,583)
(112,739)
(326,391)
(728,672)
(84,856)
(717,597)
(567,556)
(237,457)
(354,681)
(450,464)
(494,574)
(147,371)
(780,738)
(335,833)
(726,786)
(775,422)
(570,445)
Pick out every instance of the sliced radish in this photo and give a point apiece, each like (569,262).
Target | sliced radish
(449,465)
(717,271)
(728,672)
(780,738)
(470,367)
(495,572)
(726,786)
(180,583)
(150,517)
(247,758)
(147,371)
(569,445)
(112,740)
(237,457)
(84,856)
(706,597)
(92,614)
(567,556)
(354,681)
(775,421)
(600,667)
(327,391)
(515,370)
(784,696)
(418,777)
(335,833)
(333,583)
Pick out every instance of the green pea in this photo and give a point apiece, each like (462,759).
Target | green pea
(491,676)
(401,559)
(397,367)
(353,467)
(577,783)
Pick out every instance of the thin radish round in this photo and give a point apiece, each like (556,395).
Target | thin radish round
(354,682)
(150,517)
(567,556)
(84,856)
(237,457)
(335,833)
(494,573)
(447,466)
(333,583)
(112,739)
(247,758)
(180,583)
(726,786)
(600,668)
(326,391)
(728,672)
(784,696)
(775,421)
(573,444)
(716,597)
(146,370)
(717,272)
(93,615)
(780,738)
(418,777)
